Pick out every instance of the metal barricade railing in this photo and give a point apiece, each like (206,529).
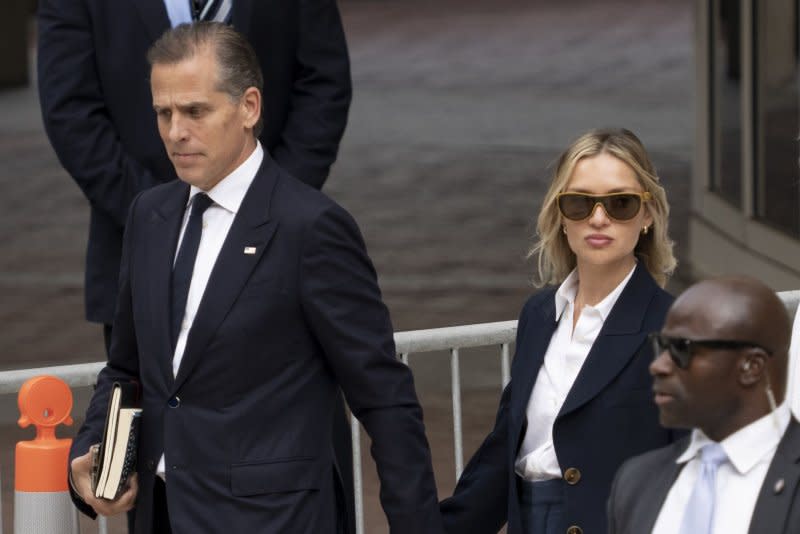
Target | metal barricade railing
(452,339)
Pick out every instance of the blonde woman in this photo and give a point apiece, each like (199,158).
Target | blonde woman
(580,401)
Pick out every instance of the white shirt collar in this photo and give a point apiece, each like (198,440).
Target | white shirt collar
(568,290)
(748,445)
(229,192)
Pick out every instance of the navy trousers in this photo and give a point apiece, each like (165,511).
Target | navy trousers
(542,506)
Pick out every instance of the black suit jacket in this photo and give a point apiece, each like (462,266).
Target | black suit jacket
(608,416)
(642,484)
(97,109)
(248,445)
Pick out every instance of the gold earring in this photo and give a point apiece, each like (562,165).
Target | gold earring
(645,229)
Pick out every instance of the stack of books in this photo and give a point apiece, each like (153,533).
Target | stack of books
(115,459)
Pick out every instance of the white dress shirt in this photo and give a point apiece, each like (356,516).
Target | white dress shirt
(178,11)
(739,480)
(227,196)
(563,360)
(793,387)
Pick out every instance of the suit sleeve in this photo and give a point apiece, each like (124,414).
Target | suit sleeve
(75,115)
(611,507)
(480,501)
(343,306)
(122,364)
(320,96)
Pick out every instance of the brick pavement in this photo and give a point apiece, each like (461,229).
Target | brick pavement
(459,107)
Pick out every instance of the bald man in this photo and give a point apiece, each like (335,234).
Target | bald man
(720,370)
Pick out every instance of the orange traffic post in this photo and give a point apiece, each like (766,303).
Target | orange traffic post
(41,490)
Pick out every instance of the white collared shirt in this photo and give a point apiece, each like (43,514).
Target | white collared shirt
(178,11)
(793,385)
(227,196)
(563,360)
(750,451)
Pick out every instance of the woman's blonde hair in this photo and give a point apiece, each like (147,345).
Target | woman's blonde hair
(554,257)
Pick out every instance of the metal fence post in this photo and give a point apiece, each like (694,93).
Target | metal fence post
(457,430)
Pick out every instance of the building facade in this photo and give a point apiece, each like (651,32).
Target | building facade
(746,180)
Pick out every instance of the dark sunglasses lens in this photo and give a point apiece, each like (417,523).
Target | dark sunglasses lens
(575,207)
(678,349)
(622,207)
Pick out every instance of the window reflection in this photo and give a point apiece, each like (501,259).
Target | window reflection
(777,178)
(726,87)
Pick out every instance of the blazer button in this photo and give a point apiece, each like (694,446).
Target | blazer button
(572,476)
(151,465)
(174,402)
(574,530)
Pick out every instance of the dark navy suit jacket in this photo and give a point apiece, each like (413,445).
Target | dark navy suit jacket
(643,483)
(276,334)
(95,95)
(608,416)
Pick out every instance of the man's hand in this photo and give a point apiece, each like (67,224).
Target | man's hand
(81,480)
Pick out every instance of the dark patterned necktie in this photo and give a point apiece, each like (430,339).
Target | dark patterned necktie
(184,262)
(211,10)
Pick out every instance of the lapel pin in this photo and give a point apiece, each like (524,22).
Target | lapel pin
(249,250)
(779,485)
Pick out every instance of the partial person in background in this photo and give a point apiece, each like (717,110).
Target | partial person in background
(720,370)
(95,96)
(579,402)
(94,91)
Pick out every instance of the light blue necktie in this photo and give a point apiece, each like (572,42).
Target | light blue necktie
(698,518)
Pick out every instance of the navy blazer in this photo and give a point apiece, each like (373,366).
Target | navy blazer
(94,91)
(246,423)
(643,483)
(608,416)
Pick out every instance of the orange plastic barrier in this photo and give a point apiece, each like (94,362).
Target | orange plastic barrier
(41,498)
(41,464)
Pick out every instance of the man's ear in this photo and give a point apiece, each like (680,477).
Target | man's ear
(251,106)
(752,367)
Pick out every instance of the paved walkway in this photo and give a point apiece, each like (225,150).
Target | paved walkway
(459,107)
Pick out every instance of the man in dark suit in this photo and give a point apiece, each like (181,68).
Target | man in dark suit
(720,370)
(96,107)
(240,360)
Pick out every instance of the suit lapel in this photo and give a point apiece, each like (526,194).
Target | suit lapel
(164,227)
(251,228)
(539,328)
(772,507)
(653,494)
(618,341)
(153,14)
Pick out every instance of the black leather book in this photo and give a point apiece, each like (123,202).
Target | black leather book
(116,456)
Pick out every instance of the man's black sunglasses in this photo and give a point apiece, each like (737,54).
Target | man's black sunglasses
(681,350)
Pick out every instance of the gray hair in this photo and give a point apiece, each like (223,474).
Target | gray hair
(237,63)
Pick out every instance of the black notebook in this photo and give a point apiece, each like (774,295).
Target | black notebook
(115,459)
